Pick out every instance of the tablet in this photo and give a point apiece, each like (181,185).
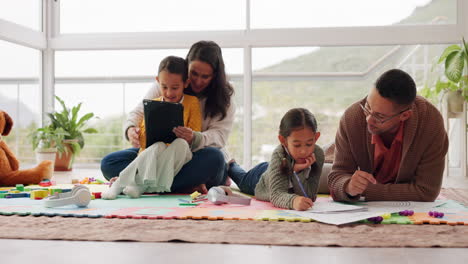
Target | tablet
(160,118)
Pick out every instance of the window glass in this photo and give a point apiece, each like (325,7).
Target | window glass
(23,12)
(343,13)
(20,96)
(149,15)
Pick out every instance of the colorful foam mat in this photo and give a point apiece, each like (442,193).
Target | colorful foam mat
(170,206)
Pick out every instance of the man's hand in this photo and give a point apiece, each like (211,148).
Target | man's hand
(358,183)
(306,163)
(133,134)
(184,133)
(302,203)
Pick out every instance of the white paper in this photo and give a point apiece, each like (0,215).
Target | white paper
(373,209)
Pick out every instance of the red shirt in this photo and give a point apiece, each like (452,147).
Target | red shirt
(387,161)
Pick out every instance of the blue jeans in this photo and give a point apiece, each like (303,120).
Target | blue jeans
(246,181)
(207,166)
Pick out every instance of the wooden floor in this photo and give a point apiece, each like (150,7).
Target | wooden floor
(130,252)
(137,252)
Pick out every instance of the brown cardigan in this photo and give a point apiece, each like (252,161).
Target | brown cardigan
(419,178)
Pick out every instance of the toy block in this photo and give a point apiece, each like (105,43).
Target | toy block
(45,183)
(97,195)
(194,195)
(53,191)
(39,194)
(75,181)
(2,195)
(17,195)
(14,191)
(20,187)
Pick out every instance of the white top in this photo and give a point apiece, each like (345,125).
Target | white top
(215,132)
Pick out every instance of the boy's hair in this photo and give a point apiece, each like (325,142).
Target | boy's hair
(397,86)
(297,118)
(175,65)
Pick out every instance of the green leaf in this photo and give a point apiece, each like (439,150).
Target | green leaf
(90,131)
(83,119)
(454,65)
(449,50)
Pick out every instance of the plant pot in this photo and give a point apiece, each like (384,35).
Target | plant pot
(64,160)
(46,154)
(455,101)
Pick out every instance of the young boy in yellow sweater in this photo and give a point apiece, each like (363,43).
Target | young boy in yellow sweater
(156,166)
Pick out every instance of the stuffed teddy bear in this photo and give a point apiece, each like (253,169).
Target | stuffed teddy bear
(9,165)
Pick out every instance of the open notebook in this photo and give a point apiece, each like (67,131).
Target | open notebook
(160,118)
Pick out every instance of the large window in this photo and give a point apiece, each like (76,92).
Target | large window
(322,55)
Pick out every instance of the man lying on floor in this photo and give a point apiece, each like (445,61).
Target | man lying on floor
(391,145)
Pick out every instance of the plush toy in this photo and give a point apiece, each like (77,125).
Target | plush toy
(9,165)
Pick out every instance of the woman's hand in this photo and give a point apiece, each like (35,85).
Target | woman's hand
(184,133)
(302,203)
(133,134)
(308,162)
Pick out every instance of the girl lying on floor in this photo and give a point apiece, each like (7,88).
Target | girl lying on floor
(290,180)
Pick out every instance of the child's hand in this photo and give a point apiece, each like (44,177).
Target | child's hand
(308,162)
(302,203)
(184,133)
(133,134)
(112,180)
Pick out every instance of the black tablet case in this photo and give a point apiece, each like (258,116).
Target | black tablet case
(160,118)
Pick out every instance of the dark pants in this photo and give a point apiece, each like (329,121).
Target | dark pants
(207,166)
(246,181)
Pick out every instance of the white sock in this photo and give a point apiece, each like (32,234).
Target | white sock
(113,191)
(133,191)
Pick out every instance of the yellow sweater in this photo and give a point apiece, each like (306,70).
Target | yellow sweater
(192,117)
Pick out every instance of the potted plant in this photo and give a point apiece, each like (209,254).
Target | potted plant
(47,143)
(74,126)
(453,85)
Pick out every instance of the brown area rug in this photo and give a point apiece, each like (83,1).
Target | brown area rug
(238,232)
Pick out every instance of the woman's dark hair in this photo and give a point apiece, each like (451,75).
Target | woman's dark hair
(175,65)
(295,119)
(218,93)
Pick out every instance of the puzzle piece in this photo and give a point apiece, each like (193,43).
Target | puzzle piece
(280,215)
(450,218)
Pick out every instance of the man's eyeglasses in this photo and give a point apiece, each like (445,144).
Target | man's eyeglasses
(381,120)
